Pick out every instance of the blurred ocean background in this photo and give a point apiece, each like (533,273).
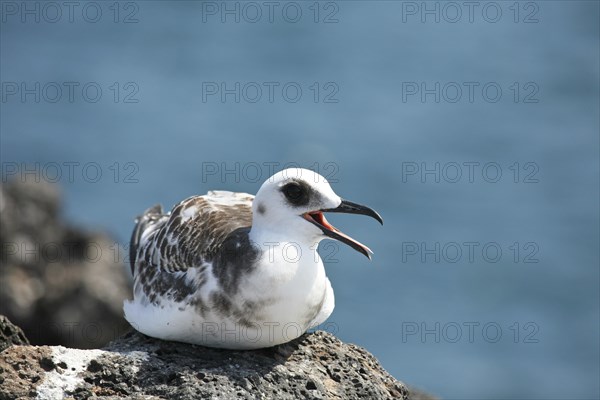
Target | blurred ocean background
(520,324)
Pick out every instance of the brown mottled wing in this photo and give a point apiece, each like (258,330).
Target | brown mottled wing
(191,234)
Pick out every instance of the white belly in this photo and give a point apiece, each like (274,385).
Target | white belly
(288,299)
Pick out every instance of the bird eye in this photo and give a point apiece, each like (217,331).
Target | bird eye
(295,193)
(292,191)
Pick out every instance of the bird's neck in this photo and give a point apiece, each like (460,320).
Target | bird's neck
(278,248)
(295,232)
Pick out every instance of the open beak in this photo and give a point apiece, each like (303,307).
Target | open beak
(317,218)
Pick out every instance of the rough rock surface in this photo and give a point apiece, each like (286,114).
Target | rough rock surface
(315,366)
(60,284)
(10,334)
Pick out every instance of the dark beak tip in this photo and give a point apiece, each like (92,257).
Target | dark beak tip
(368,253)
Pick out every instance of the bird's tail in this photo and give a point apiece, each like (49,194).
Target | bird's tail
(149,220)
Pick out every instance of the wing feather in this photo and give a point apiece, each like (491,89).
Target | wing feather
(192,233)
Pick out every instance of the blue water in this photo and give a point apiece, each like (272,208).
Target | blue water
(466,326)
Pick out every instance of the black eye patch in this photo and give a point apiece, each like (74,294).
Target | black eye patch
(297,193)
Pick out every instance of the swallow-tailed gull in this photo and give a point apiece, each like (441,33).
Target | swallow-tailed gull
(237,271)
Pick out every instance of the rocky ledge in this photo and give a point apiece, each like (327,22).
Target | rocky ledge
(315,366)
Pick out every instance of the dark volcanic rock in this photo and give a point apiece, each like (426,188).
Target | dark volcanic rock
(10,334)
(60,284)
(315,366)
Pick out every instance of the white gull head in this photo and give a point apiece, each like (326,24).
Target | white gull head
(292,203)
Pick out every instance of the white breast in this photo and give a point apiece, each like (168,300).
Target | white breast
(291,289)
